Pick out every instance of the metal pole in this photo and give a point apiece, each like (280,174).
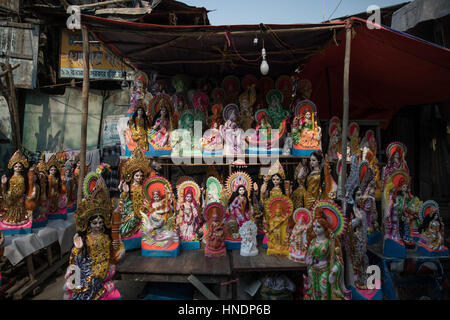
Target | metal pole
(343,173)
(84,112)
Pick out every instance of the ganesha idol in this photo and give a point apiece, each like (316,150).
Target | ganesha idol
(306,132)
(266,139)
(431,241)
(14,217)
(158,225)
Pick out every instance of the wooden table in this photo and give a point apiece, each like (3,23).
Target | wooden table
(135,267)
(261,263)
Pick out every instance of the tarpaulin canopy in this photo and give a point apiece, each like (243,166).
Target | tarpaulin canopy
(388,69)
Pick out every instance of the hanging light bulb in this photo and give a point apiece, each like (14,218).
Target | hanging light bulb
(264,65)
(255,41)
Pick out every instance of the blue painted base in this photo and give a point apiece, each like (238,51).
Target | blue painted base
(39,224)
(232,245)
(302,152)
(212,153)
(356,295)
(373,238)
(161,253)
(393,249)
(431,253)
(260,237)
(16,232)
(152,152)
(265,246)
(71,209)
(132,243)
(62,216)
(252,150)
(190,245)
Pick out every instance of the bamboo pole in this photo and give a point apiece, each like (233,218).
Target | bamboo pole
(84,113)
(343,173)
(12,104)
(102,4)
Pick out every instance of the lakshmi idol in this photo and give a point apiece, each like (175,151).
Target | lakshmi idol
(14,218)
(96,250)
(131,204)
(159,236)
(188,215)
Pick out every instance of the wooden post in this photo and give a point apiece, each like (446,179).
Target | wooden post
(343,173)
(12,103)
(84,112)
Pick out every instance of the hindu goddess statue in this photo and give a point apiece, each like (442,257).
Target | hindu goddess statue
(159,236)
(298,196)
(215,236)
(131,204)
(431,241)
(188,214)
(275,108)
(32,197)
(96,251)
(161,111)
(395,153)
(139,126)
(297,240)
(324,259)
(276,224)
(57,209)
(335,141)
(231,133)
(14,218)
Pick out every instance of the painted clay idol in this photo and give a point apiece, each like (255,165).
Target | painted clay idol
(96,250)
(159,236)
(215,237)
(14,218)
(324,258)
(188,215)
(297,240)
(431,242)
(305,129)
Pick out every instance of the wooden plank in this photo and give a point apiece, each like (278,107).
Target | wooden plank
(202,288)
(188,262)
(263,262)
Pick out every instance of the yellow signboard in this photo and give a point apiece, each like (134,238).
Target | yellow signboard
(102,65)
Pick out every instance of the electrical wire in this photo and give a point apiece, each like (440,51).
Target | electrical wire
(335,10)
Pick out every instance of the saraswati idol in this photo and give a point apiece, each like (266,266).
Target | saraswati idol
(159,236)
(214,214)
(14,218)
(239,208)
(97,247)
(131,204)
(431,241)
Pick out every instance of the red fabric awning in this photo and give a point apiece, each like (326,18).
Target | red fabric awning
(388,69)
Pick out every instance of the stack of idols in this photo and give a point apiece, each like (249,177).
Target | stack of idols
(47,190)
(247,116)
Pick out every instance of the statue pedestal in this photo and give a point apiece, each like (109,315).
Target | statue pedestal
(367,294)
(71,207)
(9,229)
(211,253)
(297,257)
(257,150)
(40,222)
(153,151)
(373,238)
(233,243)
(426,251)
(300,151)
(132,242)
(394,249)
(212,153)
(153,251)
(190,245)
(265,241)
(61,214)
